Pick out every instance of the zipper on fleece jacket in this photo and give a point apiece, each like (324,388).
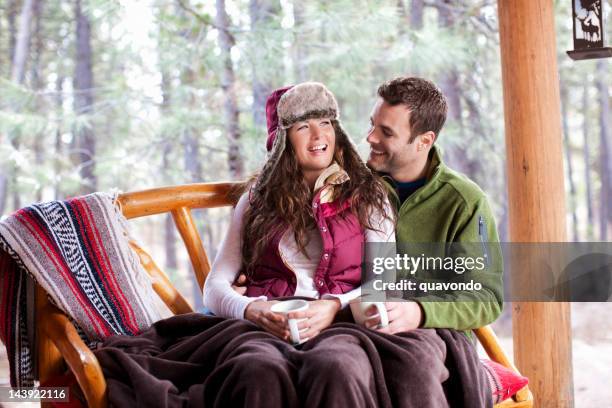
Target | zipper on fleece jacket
(482,233)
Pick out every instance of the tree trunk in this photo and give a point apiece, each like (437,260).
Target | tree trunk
(20,56)
(194,170)
(404,19)
(191,158)
(450,78)
(37,85)
(170,244)
(458,157)
(3,192)
(476,167)
(414,17)
(461,155)
(22,47)
(299,46)
(170,240)
(4,181)
(15,183)
(587,162)
(606,166)
(59,151)
(226,42)
(568,160)
(449,84)
(261,13)
(169,227)
(11,17)
(83,101)
(191,155)
(411,22)
(212,236)
(6,170)
(603,205)
(417,7)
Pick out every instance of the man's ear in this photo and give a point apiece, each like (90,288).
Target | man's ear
(428,138)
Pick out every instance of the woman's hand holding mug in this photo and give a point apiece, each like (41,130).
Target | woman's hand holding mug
(308,322)
(319,315)
(259,312)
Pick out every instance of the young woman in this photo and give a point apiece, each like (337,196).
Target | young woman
(299,228)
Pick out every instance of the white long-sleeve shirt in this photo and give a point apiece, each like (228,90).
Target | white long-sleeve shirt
(222,300)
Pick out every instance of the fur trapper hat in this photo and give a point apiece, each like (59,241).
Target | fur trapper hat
(287,106)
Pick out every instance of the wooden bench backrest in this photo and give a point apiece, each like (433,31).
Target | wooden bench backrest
(179,201)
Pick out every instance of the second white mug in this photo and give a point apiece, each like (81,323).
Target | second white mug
(359,307)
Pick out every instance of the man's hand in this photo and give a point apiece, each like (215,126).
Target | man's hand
(259,313)
(403,316)
(319,315)
(240,284)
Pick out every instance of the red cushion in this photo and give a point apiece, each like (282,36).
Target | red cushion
(503,381)
(75,397)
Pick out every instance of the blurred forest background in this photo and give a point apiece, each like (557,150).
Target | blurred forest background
(102,94)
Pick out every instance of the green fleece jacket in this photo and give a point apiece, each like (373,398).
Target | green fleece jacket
(450,208)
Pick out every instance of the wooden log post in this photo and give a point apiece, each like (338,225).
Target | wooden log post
(542,332)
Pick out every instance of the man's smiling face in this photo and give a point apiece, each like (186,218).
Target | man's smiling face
(389,138)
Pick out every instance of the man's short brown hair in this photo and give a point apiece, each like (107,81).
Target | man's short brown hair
(425,101)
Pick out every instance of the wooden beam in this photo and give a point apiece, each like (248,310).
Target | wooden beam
(542,332)
(164,199)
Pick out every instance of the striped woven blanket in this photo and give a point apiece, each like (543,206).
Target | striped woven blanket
(78,251)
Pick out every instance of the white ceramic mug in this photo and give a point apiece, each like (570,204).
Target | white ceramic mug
(359,307)
(288,306)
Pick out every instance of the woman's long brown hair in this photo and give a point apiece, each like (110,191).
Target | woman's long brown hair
(285,200)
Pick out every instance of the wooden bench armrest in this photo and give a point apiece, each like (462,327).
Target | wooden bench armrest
(491,345)
(78,356)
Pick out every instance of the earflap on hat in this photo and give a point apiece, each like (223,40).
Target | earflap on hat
(272,114)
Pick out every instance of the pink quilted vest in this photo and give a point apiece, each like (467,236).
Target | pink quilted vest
(339,269)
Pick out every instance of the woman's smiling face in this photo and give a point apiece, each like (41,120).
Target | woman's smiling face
(314,143)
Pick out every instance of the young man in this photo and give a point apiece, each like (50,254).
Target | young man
(435,204)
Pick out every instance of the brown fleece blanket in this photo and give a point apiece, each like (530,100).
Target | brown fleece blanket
(202,361)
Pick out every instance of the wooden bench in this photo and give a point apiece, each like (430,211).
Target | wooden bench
(59,343)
